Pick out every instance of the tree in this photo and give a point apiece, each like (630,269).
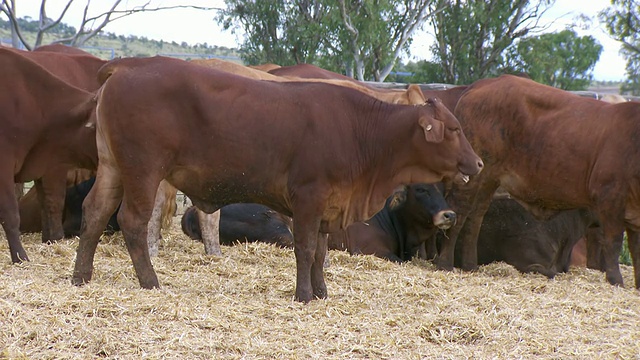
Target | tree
(563,59)
(622,20)
(472,35)
(89,27)
(360,38)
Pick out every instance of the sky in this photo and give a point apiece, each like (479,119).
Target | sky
(197,26)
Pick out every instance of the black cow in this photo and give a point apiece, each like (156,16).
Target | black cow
(244,222)
(400,229)
(511,234)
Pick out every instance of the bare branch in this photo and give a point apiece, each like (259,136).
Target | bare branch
(10,12)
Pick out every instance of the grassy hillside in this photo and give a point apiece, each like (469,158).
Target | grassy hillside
(110,45)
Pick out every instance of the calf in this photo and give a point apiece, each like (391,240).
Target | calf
(325,154)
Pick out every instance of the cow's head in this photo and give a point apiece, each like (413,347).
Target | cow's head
(441,127)
(423,203)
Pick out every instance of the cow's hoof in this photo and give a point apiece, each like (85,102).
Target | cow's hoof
(80,280)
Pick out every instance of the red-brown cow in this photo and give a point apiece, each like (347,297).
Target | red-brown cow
(42,130)
(325,154)
(309,71)
(449,97)
(551,150)
(79,69)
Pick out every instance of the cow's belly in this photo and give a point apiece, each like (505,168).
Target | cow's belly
(210,192)
(545,195)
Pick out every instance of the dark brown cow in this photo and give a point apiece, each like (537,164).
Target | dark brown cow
(399,231)
(328,155)
(42,134)
(511,234)
(551,150)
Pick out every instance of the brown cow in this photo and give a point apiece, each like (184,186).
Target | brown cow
(266,67)
(79,69)
(42,134)
(325,154)
(411,95)
(449,97)
(64,49)
(309,71)
(551,150)
(210,222)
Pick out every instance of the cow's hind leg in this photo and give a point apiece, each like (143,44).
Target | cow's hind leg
(210,231)
(165,194)
(633,237)
(611,249)
(133,217)
(10,218)
(51,191)
(97,208)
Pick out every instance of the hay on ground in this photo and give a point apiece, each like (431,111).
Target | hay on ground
(240,306)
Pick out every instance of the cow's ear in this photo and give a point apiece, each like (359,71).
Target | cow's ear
(433,129)
(415,95)
(398,197)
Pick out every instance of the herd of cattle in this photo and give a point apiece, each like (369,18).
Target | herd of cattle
(307,154)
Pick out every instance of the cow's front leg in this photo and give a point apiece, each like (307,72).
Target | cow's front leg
(10,217)
(309,264)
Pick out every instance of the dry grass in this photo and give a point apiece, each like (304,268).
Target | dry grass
(241,306)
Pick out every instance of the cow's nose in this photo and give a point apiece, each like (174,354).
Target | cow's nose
(449,216)
(480,164)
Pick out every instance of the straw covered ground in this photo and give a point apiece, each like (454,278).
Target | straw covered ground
(240,306)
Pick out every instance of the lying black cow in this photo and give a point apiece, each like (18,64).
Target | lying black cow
(399,231)
(244,222)
(30,211)
(511,234)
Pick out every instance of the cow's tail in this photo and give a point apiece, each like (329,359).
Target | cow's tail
(104,73)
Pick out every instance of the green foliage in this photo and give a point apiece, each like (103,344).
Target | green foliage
(362,38)
(622,20)
(563,59)
(472,35)
(625,255)
(277,31)
(424,72)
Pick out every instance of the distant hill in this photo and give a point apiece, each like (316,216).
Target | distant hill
(109,45)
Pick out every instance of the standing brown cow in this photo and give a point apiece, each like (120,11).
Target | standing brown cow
(79,69)
(325,154)
(42,130)
(551,150)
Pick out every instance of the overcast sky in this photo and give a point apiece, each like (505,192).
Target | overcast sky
(194,26)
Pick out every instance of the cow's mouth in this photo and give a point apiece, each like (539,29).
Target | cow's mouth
(444,219)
